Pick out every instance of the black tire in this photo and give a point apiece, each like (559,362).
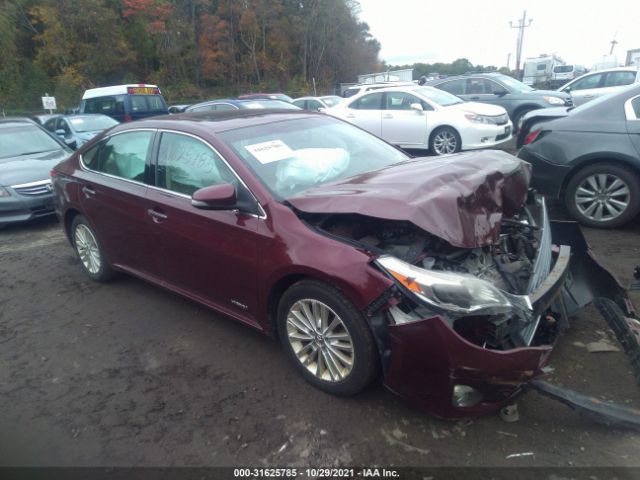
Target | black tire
(365,355)
(104,273)
(629,177)
(444,131)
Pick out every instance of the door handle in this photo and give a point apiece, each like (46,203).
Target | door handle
(351,115)
(475,98)
(88,191)
(588,96)
(156,215)
(387,115)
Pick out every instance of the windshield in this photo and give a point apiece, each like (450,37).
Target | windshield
(25,140)
(294,155)
(513,84)
(269,104)
(438,96)
(331,100)
(91,123)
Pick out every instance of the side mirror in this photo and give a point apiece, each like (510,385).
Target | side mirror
(567,90)
(72,144)
(417,107)
(60,132)
(215,197)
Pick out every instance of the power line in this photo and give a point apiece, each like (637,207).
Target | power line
(522,24)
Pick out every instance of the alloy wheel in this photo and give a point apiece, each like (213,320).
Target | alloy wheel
(87,248)
(445,142)
(320,340)
(602,197)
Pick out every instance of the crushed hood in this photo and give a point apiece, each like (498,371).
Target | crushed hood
(459,198)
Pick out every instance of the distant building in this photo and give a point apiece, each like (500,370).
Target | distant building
(633,57)
(405,75)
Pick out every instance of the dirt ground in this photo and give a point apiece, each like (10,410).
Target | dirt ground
(125,374)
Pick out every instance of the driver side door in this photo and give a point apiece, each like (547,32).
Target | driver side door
(366,112)
(208,255)
(402,125)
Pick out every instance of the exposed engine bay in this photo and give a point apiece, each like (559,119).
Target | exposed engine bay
(507,265)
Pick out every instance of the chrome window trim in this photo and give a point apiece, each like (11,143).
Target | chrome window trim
(628,109)
(107,138)
(262,215)
(32,184)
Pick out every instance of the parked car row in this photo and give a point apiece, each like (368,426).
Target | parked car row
(443,276)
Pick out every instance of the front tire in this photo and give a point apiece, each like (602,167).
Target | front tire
(89,251)
(445,140)
(327,338)
(603,195)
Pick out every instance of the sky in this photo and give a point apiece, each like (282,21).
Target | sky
(430,31)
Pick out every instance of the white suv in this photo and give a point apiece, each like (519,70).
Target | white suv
(598,83)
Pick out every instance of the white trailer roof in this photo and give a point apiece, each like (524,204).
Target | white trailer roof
(113,90)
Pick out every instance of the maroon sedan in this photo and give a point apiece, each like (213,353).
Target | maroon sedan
(444,275)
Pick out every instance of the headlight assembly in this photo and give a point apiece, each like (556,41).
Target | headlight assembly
(553,100)
(452,292)
(4,192)
(475,118)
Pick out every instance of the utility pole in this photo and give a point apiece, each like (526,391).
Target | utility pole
(522,24)
(613,42)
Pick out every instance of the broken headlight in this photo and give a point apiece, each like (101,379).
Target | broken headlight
(457,293)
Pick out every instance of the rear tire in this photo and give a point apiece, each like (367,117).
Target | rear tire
(603,195)
(327,338)
(89,251)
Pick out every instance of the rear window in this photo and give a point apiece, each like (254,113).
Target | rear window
(27,140)
(147,103)
(563,69)
(110,105)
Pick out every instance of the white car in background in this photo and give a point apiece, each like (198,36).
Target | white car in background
(595,84)
(426,118)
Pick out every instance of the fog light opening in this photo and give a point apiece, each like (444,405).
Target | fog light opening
(465,396)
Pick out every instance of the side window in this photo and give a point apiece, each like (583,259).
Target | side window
(495,87)
(617,79)
(125,155)
(224,106)
(313,105)
(106,105)
(138,103)
(455,87)
(401,101)
(50,125)
(299,103)
(591,81)
(186,165)
(373,101)
(90,157)
(62,125)
(477,86)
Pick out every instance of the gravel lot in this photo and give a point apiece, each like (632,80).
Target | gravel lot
(127,374)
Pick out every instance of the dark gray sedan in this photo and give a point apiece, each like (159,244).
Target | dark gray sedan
(498,89)
(590,158)
(27,155)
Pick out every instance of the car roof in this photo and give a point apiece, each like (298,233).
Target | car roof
(219,121)
(630,68)
(16,122)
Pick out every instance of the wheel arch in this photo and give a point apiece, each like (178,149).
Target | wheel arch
(439,127)
(69,215)
(521,108)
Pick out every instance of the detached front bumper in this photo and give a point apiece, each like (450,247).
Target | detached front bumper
(435,368)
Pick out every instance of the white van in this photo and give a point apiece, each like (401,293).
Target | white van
(565,73)
(125,103)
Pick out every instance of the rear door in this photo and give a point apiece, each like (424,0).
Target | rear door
(632,111)
(616,80)
(114,189)
(207,254)
(401,125)
(366,112)
(586,88)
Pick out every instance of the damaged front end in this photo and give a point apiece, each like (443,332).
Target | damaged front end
(464,329)
(483,280)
